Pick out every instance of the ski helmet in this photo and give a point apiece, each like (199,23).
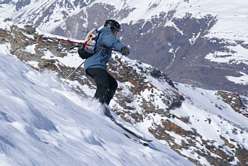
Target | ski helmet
(114,25)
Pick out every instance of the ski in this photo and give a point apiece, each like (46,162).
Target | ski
(127,132)
(130,134)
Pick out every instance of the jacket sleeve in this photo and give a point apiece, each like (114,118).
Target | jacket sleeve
(110,41)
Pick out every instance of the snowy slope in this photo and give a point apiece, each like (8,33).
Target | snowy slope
(243,79)
(44,123)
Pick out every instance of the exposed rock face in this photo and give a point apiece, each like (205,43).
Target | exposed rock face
(234,100)
(22,3)
(29,29)
(146,97)
(5,1)
(19,4)
(191,139)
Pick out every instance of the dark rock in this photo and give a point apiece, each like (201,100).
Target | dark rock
(234,100)
(22,3)
(30,29)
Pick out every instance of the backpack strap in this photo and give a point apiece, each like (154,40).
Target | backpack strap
(96,39)
(89,37)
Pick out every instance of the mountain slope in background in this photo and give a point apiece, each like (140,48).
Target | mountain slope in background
(201,42)
(207,127)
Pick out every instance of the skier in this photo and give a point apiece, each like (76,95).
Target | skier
(95,66)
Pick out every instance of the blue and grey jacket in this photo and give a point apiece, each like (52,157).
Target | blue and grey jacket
(106,42)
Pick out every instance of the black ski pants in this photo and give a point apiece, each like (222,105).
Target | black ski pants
(106,84)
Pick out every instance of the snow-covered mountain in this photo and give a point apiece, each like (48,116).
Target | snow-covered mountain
(201,42)
(58,117)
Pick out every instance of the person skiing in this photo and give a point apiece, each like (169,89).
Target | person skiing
(96,65)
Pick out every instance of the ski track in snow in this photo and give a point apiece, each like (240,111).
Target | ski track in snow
(44,123)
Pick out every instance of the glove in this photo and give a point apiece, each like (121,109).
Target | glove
(125,51)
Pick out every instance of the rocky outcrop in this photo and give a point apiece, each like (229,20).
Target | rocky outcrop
(234,100)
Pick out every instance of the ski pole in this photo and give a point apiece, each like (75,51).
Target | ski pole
(74,71)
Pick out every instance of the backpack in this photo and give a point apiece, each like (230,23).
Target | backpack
(88,48)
